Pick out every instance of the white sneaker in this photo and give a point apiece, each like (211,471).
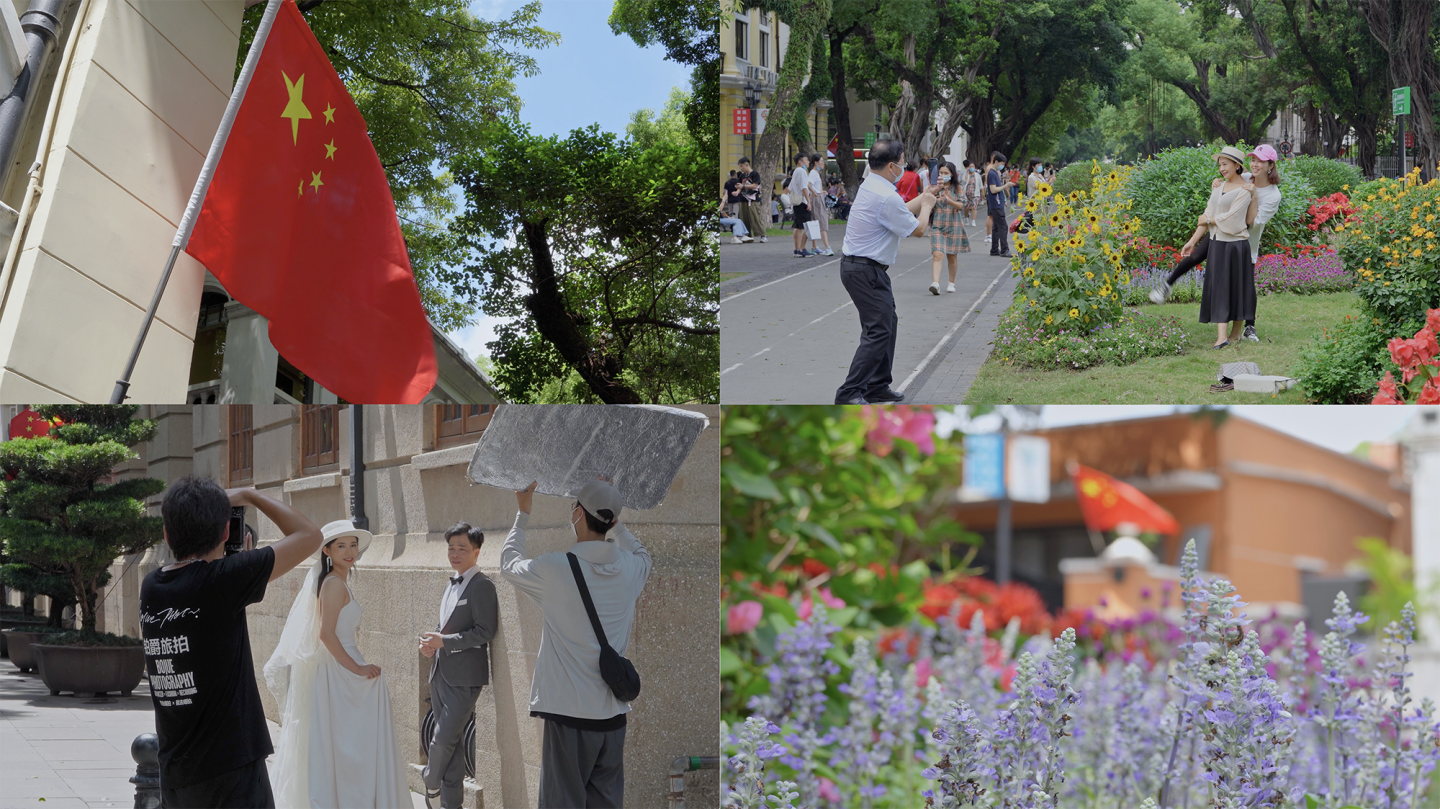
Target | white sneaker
(934,288)
(827,252)
(1160,293)
(949,287)
(738,240)
(762,239)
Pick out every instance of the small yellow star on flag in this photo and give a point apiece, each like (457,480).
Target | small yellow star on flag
(315,181)
(302,188)
(329,114)
(330,149)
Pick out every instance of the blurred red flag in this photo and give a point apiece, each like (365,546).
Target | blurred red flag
(299,225)
(29,424)
(1107,502)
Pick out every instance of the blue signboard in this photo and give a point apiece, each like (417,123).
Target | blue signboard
(984,466)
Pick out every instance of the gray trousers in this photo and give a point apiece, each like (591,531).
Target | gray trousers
(582,769)
(870,369)
(453,706)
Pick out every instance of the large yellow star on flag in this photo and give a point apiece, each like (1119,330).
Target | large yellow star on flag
(315,182)
(296,109)
(330,149)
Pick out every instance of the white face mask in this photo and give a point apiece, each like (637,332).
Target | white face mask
(944,178)
(575,532)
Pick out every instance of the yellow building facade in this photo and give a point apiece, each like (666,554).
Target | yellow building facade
(753,45)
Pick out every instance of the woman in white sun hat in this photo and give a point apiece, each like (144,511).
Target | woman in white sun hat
(337,741)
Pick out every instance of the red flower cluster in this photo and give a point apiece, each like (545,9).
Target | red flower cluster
(914,423)
(1154,255)
(998,604)
(1303,250)
(1418,357)
(1327,208)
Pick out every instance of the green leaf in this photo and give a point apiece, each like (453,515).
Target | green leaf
(730,662)
(750,483)
(1311,802)
(775,605)
(843,617)
(814,531)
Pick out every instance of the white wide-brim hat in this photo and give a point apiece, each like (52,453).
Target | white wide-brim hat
(343,528)
(1232,153)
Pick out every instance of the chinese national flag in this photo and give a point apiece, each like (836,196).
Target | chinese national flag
(299,225)
(29,424)
(1107,502)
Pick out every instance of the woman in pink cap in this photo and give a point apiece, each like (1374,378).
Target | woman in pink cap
(1266,180)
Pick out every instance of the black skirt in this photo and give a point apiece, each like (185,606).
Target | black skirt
(1229,292)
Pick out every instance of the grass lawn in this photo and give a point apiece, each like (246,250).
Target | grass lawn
(1284,322)
(726,276)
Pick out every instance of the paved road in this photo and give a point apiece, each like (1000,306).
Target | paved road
(788,329)
(69,752)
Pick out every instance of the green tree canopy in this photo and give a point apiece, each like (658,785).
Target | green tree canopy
(57,519)
(690,32)
(591,244)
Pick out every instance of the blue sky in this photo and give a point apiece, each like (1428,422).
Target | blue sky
(592,76)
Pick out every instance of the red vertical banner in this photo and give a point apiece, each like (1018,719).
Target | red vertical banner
(742,122)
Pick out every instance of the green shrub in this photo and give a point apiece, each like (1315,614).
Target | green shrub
(1325,176)
(1074,177)
(1170,191)
(1396,264)
(1342,365)
(1134,336)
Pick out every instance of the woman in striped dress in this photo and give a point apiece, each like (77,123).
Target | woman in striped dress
(947,229)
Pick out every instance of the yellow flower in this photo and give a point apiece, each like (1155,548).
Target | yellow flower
(1094,306)
(1058,248)
(1345,187)
(1035,255)
(1115,296)
(1054,220)
(1429,217)
(1416,253)
(1089,275)
(1074,312)
(1042,188)
(1030,205)
(1020,245)
(1029,271)
(1036,282)
(1049,319)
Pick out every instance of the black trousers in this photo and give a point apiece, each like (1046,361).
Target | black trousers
(999,232)
(245,787)
(870,369)
(1188,263)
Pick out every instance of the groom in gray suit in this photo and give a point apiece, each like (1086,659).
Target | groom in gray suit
(469,616)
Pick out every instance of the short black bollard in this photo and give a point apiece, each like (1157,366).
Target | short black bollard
(146,752)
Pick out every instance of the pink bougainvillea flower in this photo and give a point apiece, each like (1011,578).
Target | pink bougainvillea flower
(1426,346)
(1405,355)
(744,617)
(806,605)
(1430,394)
(914,424)
(922,672)
(1389,394)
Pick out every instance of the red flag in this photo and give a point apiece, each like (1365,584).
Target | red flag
(832,146)
(29,424)
(299,225)
(1107,502)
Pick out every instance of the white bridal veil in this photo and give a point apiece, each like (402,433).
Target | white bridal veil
(290,674)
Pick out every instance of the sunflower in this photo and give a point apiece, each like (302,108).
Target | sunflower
(1054,220)
(1043,188)
(1089,276)
(1030,205)
(1093,219)
(1020,245)
(1049,319)
(1074,312)
(1035,255)
(1074,195)
(1115,296)
(1058,248)
(1029,271)
(1036,282)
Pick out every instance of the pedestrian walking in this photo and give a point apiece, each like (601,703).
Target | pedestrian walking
(997,191)
(947,228)
(878,220)
(799,187)
(1266,180)
(752,199)
(818,210)
(970,188)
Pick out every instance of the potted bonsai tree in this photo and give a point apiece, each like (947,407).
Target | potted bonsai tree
(61,514)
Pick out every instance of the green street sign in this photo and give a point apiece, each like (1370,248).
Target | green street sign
(1400,101)
(869,139)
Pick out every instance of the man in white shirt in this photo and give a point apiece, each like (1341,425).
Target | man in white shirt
(583,751)
(799,190)
(815,191)
(878,220)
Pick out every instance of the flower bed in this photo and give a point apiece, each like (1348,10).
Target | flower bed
(1216,711)
(1134,336)
(1301,270)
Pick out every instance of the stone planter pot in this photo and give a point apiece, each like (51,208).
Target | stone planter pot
(90,669)
(18,643)
(16,623)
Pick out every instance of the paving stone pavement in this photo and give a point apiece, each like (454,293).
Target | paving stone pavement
(788,329)
(74,753)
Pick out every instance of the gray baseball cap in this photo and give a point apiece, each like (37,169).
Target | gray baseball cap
(597,495)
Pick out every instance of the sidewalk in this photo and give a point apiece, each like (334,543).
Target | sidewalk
(72,753)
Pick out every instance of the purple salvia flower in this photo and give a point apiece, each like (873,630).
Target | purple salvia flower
(752,748)
(964,767)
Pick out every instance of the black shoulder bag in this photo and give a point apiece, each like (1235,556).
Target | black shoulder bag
(616,671)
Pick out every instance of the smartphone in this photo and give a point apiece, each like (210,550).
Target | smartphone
(236,541)
(934,170)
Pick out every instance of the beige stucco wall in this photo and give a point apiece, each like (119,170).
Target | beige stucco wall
(413,494)
(140,104)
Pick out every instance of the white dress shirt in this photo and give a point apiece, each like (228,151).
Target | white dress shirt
(452,593)
(878,221)
(1265,210)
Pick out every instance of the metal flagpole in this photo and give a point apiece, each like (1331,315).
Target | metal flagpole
(197,196)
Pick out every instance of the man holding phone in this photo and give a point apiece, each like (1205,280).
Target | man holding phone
(208,716)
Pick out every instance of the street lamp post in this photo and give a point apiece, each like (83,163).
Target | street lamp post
(752,93)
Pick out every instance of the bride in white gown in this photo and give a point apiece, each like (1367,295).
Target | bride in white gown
(337,741)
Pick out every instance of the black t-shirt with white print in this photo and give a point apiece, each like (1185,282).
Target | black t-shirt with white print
(197,656)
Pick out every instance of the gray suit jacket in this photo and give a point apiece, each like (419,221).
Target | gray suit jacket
(464,660)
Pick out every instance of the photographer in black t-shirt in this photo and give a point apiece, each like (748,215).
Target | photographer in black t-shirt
(213,738)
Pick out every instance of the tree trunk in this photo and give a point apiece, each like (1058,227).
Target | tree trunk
(600,370)
(845,140)
(89,621)
(808,21)
(1310,145)
(1403,30)
(1366,146)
